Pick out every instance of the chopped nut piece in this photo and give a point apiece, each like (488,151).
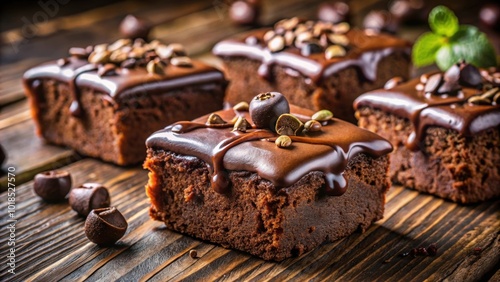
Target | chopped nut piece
(241,125)
(334,51)
(241,106)
(312,126)
(181,61)
(276,44)
(155,67)
(215,119)
(119,44)
(339,39)
(322,115)
(288,124)
(100,57)
(283,141)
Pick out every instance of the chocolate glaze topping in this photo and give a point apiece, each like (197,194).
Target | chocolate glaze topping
(465,109)
(327,151)
(290,43)
(154,69)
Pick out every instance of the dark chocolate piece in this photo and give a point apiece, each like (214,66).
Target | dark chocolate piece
(52,186)
(105,226)
(334,12)
(266,108)
(133,27)
(87,197)
(328,150)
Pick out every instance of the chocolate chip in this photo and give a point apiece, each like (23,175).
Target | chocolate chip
(432,249)
(490,15)
(470,76)
(334,12)
(245,12)
(266,108)
(310,48)
(433,82)
(393,82)
(133,27)
(380,21)
(105,226)
(52,186)
(87,197)
(193,254)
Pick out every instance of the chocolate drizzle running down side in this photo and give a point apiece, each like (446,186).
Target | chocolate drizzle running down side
(328,151)
(467,108)
(122,69)
(315,49)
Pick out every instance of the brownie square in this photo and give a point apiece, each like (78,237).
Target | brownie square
(105,100)
(242,191)
(317,65)
(445,132)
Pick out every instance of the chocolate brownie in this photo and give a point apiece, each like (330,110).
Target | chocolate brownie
(318,65)
(445,128)
(105,100)
(274,196)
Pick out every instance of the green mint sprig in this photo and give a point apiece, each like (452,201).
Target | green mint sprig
(449,42)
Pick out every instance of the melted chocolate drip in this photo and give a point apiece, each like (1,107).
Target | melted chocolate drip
(328,151)
(78,73)
(423,111)
(367,51)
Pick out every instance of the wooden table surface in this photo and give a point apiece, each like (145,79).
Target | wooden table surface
(50,244)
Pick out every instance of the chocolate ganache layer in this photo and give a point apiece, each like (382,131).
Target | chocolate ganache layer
(225,147)
(463,98)
(123,69)
(315,49)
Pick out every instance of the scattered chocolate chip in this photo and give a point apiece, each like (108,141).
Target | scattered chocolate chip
(241,106)
(380,21)
(288,124)
(241,125)
(193,254)
(393,82)
(334,12)
(245,12)
(310,48)
(105,226)
(133,27)
(490,15)
(433,82)
(283,141)
(266,108)
(334,51)
(52,186)
(323,115)
(432,249)
(215,119)
(87,197)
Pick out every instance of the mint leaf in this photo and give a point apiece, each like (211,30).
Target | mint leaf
(443,21)
(473,46)
(445,58)
(425,48)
